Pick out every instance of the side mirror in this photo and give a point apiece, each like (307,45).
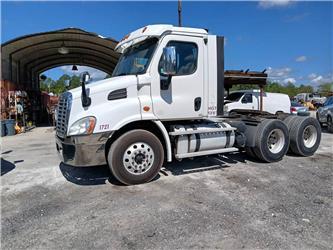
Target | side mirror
(168,63)
(84,77)
(86,100)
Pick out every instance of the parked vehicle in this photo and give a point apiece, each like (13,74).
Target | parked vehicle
(325,114)
(250,99)
(165,100)
(298,109)
(309,97)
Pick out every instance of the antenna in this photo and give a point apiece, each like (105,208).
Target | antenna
(179,13)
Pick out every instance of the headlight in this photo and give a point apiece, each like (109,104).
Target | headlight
(84,126)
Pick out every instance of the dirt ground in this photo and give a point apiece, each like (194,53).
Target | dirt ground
(228,202)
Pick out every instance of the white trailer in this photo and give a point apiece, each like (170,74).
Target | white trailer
(165,100)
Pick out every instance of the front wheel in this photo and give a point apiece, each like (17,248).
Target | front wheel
(136,157)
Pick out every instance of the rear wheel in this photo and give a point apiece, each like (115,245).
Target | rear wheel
(305,136)
(290,121)
(272,140)
(136,157)
(249,151)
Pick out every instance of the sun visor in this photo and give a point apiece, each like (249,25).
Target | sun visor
(122,46)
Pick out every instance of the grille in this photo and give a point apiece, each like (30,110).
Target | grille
(63,110)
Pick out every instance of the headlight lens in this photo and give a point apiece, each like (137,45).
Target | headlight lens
(84,126)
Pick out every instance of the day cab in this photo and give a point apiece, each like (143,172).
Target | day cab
(165,101)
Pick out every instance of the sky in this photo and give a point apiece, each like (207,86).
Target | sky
(292,40)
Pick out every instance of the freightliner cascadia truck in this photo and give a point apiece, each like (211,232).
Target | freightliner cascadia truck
(165,101)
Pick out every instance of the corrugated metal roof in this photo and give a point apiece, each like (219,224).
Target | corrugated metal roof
(23,58)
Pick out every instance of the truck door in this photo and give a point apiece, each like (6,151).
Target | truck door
(183,98)
(247,101)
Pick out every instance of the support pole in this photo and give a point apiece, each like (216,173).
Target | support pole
(179,13)
(261,97)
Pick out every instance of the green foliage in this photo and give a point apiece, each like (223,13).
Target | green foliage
(46,85)
(326,88)
(59,86)
(275,87)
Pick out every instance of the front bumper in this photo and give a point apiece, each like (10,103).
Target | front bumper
(83,150)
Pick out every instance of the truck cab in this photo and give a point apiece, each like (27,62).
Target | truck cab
(164,101)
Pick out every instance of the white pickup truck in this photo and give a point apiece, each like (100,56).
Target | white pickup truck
(165,101)
(273,103)
(309,97)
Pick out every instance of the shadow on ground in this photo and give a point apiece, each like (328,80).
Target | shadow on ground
(95,175)
(6,167)
(203,164)
(99,175)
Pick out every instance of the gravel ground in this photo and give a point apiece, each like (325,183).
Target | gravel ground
(228,202)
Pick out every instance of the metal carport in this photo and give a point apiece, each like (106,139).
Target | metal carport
(24,58)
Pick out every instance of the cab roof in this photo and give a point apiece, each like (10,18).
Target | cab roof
(156,30)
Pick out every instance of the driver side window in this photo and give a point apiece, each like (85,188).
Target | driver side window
(247,98)
(187,57)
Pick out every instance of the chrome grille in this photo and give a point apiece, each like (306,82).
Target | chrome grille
(63,111)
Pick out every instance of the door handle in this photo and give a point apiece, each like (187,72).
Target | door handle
(197,103)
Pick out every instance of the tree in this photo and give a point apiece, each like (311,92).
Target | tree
(275,87)
(326,87)
(47,84)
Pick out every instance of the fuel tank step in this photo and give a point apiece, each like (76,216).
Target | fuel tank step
(206,152)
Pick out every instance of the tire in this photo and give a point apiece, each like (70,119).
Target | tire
(305,136)
(329,124)
(233,113)
(290,121)
(272,140)
(136,157)
(249,151)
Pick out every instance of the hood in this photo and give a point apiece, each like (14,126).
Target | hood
(105,85)
(227,101)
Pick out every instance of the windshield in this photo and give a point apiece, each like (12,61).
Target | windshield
(135,59)
(234,97)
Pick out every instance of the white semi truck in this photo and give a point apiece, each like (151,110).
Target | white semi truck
(165,101)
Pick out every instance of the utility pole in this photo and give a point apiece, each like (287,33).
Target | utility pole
(179,13)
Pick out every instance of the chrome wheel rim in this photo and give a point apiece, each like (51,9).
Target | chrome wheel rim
(309,136)
(276,141)
(138,158)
